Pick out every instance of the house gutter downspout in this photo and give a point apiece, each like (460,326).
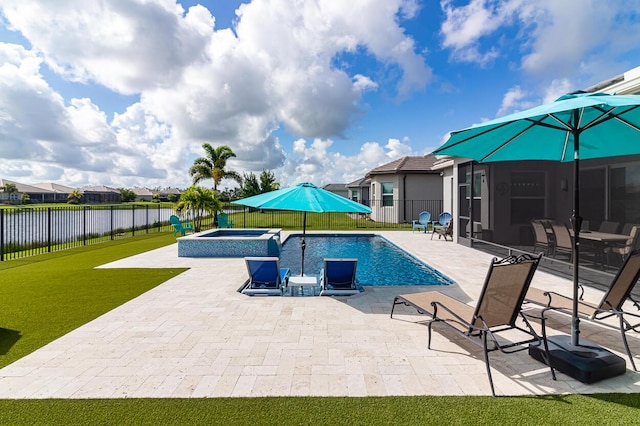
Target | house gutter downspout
(404,198)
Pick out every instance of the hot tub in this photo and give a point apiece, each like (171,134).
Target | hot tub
(231,243)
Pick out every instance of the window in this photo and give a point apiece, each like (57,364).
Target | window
(387,194)
(354,195)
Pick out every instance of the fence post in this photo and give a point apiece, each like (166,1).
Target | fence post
(111,209)
(84,225)
(49,229)
(133,220)
(146,208)
(1,235)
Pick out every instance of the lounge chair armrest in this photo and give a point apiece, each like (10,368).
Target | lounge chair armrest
(435,305)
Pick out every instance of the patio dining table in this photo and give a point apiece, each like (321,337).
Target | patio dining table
(601,240)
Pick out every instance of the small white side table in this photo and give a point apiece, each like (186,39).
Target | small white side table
(301,286)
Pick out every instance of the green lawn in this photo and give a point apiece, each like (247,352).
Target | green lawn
(46,296)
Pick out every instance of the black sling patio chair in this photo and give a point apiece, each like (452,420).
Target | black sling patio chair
(611,304)
(497,310)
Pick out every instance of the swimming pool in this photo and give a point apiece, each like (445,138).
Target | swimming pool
(380,262)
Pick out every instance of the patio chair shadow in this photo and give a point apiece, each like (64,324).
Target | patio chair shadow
(8,338)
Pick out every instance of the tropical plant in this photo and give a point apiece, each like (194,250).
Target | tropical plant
(268,181)
(10,189)
(213,165)
(127,195)
(25,198)
(199,202)
(74,197)
(250,185)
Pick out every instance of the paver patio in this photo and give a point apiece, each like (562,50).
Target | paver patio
(196,336)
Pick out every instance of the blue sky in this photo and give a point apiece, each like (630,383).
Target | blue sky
(124,93)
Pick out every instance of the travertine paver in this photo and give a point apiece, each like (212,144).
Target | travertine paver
(196,336)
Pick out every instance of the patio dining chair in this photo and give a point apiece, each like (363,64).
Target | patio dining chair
(563,242)
(496,311)
(541,237)
(611,304)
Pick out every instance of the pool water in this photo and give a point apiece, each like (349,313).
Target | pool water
(380,262)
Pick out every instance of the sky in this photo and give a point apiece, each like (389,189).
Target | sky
(124,93)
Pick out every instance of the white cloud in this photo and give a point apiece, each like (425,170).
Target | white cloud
(195,83)
(516,99)
(557,39)
(318,164)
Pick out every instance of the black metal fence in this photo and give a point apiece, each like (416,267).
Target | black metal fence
(27,231)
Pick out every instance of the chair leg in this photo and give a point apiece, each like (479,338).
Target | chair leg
(486,361)
(626,344)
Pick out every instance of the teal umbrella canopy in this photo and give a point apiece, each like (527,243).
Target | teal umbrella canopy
(606,126)
(304,197)
(576,126)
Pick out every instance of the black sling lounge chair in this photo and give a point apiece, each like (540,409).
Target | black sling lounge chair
(497,310)
(611,304)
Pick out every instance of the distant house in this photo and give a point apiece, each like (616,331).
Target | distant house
(100,194)
(338,189)
(403,188)
(61,192)
(35,194)
(169,194)
(142,194)
(359,190)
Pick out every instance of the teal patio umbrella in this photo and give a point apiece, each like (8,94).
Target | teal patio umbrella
(574,127)
(304,197)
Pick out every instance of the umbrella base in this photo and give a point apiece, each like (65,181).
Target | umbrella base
(587,362)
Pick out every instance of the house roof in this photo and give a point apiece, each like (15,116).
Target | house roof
(363,181)
(141,191)
(55,187)
(422,164)
(335,187)
(98,188)
(21,187)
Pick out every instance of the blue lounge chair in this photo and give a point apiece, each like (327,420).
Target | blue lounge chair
(224,222)
(266,277)
(423,221)
(443,224)
(338,277)
(180,227)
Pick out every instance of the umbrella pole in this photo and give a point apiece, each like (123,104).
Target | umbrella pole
(576,223)
(303,244)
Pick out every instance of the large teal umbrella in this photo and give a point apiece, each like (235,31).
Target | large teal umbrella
(304,197)
(576,126)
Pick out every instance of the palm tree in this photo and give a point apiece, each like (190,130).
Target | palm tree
(200,202)
(10,189)
(74,197)
(212,165)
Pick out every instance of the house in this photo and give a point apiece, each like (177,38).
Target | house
(507,196)
(100,194)
(169,194)
(61,192)
(25,193)
(338,189)
(403,188)
(359,190)
(142,194)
